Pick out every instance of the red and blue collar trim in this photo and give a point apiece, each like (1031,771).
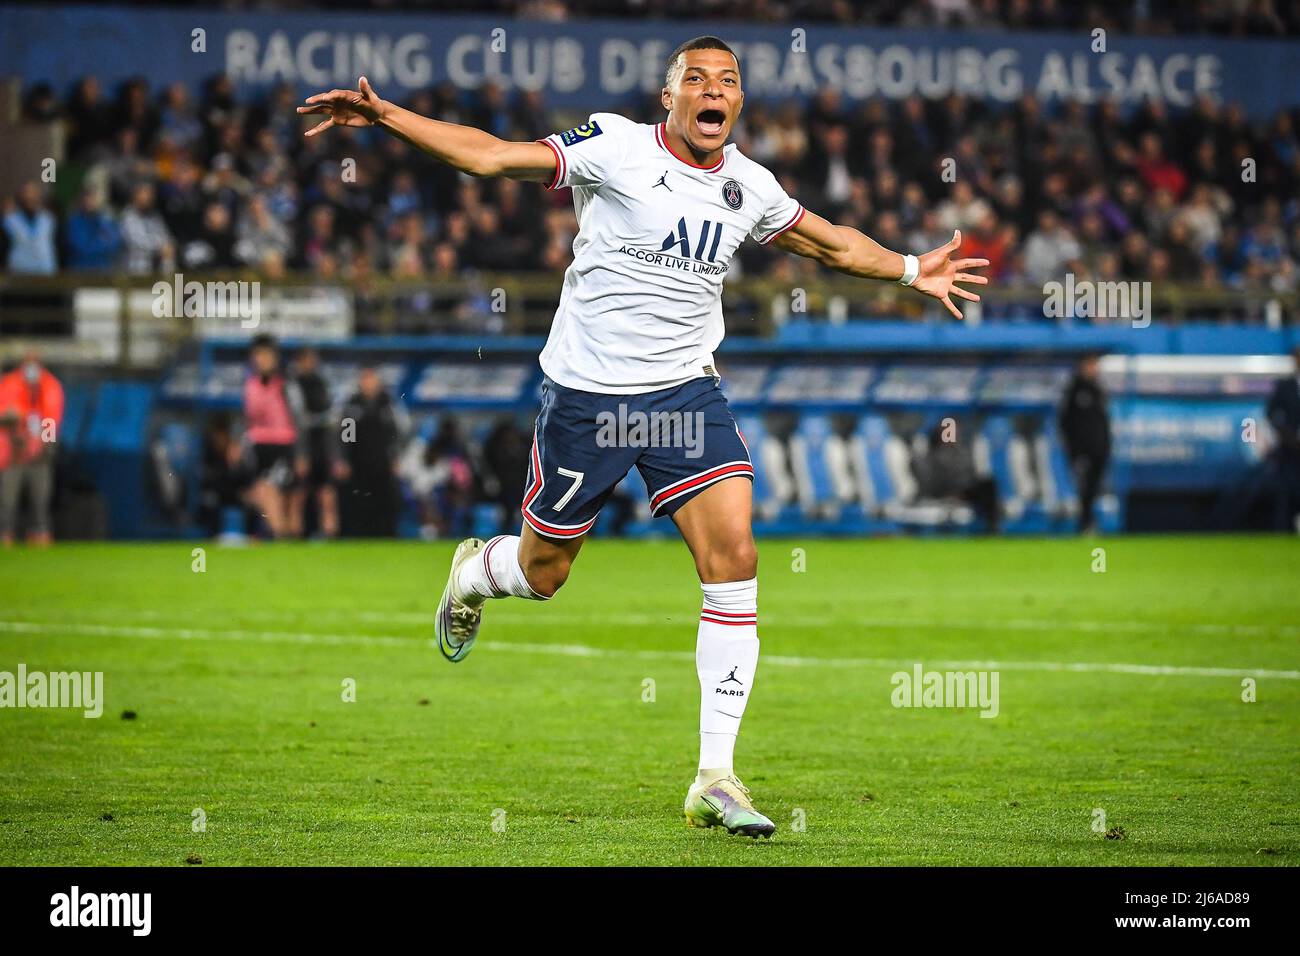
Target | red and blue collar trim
(662,140)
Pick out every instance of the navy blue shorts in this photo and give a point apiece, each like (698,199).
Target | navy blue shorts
(681,439)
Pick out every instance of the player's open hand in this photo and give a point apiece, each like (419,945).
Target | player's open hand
(359,107)
(939,274)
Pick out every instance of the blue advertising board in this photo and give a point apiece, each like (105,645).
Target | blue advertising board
(595,64)
(1174,444)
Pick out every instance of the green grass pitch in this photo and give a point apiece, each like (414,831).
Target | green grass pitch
(542,747)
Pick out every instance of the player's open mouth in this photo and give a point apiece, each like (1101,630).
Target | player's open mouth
(711,122)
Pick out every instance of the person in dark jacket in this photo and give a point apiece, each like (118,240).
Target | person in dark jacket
(1084,421)
(92,238)
(505,455)
(224,475)
(373,427)
(1283,411)
(320,466)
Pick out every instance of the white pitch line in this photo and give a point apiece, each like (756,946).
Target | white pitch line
(628,618)
(583,650)
(205,634)
(580,650)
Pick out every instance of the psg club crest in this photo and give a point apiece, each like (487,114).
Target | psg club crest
(732,194)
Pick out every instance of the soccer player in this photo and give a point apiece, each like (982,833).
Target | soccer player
(661,210)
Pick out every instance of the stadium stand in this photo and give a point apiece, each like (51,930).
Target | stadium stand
(405,264)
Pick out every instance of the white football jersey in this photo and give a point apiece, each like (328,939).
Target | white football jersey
(641,307)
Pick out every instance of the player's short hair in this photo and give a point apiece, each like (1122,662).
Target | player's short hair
(676,64)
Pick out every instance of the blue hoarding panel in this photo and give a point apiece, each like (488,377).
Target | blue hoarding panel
(604,64)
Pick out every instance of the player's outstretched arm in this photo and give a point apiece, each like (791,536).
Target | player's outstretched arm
(847,250)
(470,150)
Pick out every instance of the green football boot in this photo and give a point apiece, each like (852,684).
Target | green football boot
(456,623)
(725,803)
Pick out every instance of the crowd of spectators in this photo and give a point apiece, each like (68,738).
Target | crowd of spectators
(314,455)
(213,181)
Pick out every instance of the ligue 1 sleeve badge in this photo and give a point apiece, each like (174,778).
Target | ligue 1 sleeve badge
(732,194)
(580,134)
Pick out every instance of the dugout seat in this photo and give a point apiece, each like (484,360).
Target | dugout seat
(1009,458)
(77,401)
(889,468)
(175,457)
(827,495)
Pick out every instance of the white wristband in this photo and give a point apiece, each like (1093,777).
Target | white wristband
(911,268)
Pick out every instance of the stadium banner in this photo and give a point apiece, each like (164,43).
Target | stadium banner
(593,64)
(1179,444)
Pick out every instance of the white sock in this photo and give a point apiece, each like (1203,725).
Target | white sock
(494,572)
(726,657)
